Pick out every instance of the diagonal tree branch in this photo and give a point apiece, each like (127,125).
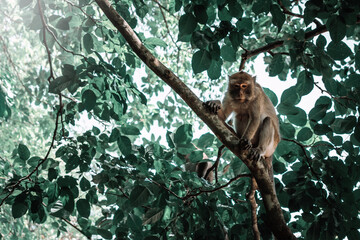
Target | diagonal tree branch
(274,213)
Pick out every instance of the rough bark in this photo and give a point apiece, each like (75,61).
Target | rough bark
(274,213)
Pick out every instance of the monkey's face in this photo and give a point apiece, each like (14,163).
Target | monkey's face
(241,87)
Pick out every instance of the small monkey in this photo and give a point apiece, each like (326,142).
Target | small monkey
(254,120)
(201,169)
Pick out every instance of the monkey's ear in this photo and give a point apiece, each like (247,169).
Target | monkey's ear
(254,77)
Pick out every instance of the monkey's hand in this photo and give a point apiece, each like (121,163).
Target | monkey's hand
(213,106)
(245,144)
(254,154)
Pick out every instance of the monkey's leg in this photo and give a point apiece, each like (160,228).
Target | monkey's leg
(266,135)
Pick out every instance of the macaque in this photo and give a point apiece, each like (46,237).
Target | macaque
(254,119)
(201,169)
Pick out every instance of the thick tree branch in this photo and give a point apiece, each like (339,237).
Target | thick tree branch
(253,205)
(274,213)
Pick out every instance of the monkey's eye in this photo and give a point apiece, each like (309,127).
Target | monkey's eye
(243,86)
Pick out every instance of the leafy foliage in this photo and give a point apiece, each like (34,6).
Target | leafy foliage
(94,144)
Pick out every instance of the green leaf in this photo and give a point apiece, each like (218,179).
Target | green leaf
(83,207)
(338,50)
(196,156)
(304,134)
(271,95)
(344,125)
(104,233)
(299,119)
(305,83)
(261,6)
(187,24)
(88,43)
(287,130)
(130,130)
(59,84)
(285,109)
(23,152)
(276,66)
(153,215)
(214,71)
(201,61)
(278,17)
(115,133)
(337,28)
(52,174)
(139,196)
(224,14)
(67,181)
(235,9)
(125,146)
(89,99)
(63,23)
(84,184)
(153,42)
(228,53)
(290,96)
(67,199)
(183,134)
(206,140)
(245,25)
(200,14)
(321,41)
(19,209)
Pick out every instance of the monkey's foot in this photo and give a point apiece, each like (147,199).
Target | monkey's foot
(245,144)
(254,154)
(213,105)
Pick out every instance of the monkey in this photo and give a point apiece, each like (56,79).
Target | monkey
(201,169)
(254,119)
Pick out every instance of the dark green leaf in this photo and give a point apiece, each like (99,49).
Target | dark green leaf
(276,66)
(304,134)
(337,28)
(196,156)
(19,209)
(305,83)
(285,109)
(224,14)
(245,25)
(183,134)
(321,42)
(357,59)
(88,43)
(130,130)
(67,181)
(228,53)
(206,140)
(235,9)
(139,196)
(299,119)
(290,97)
(338,50)
(187,24)
(104,233)
(344,125)
(60,83)
(201,61)
(89,99)
(23,152)
(271,95)
(200,14)
(124,144)
(214,71)
(52,174)
(114,135)
(287,130)
(84,184)
(261,6)
(83,207)
(278,17)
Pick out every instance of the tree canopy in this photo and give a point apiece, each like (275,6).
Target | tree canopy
(101,106)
